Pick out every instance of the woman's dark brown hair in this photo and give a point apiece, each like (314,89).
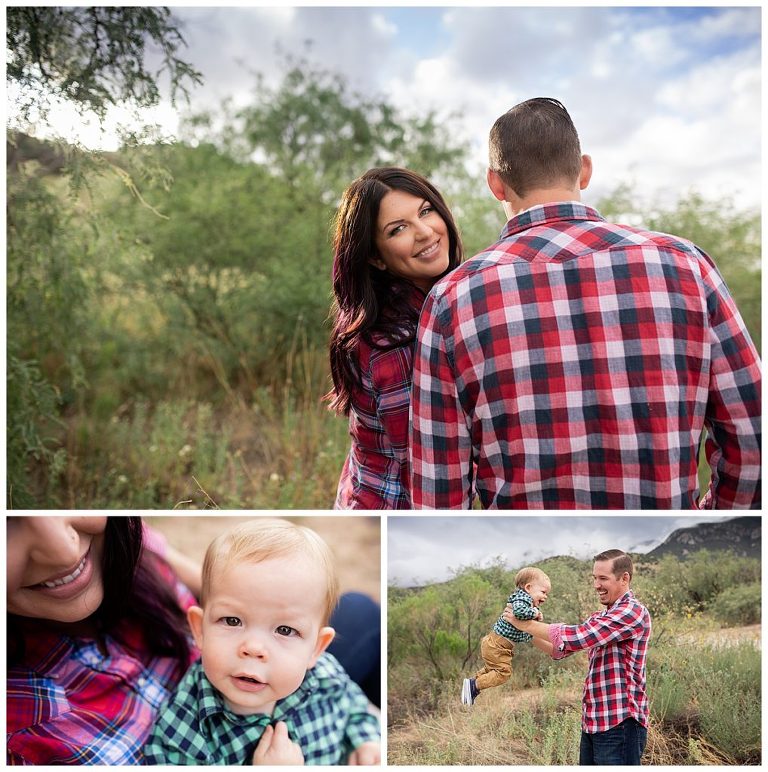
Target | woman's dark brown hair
(368,300)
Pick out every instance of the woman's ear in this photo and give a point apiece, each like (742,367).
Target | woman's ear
(324,638)
(195,618)
(377,262)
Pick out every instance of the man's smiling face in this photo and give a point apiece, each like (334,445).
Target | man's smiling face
(609,587)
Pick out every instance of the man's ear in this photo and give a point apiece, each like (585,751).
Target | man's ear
(195,619)
(496,184)
(324,638)
(586,171)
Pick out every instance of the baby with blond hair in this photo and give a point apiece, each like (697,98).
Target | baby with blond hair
(265,690)
(498,647)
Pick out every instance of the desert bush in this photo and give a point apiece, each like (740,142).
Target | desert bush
(738,605)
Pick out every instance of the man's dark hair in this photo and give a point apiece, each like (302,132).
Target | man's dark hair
(621,562)
(535,145)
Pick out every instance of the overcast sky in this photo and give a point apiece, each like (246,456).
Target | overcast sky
(426,549)
(664,98)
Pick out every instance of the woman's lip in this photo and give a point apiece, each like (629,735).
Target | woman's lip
(433,247)
(61,574)
(65,592)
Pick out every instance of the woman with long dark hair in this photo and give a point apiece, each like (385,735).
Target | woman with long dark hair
(96,639)
(394,238)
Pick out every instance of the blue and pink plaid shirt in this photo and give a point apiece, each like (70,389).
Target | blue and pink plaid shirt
(575,364)
(71,700)
(617,639)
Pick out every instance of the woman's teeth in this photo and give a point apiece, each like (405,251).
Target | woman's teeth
(428,251)
(66,579)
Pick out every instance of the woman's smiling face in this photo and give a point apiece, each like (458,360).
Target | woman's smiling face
(54,567)
(411,239)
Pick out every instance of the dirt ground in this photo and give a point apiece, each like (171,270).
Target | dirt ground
(355,541)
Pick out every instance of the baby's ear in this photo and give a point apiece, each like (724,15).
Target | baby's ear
(324,638)
(195,618)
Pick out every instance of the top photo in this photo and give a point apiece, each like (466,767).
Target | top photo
(383,258)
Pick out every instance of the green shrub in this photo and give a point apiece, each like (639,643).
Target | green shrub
(727,691)
(738,605)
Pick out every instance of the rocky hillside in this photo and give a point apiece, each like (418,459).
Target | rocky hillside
(742,535)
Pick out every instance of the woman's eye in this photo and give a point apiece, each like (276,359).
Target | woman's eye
(427,210)
(285,630)
(231,621)
(396,230)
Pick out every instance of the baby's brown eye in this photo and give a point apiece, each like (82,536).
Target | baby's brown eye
(285,630)
(231,621)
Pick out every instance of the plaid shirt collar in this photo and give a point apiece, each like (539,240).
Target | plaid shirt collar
(549,213)
(212,704)
(625,598)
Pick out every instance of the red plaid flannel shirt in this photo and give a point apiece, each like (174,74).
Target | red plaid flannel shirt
(375,473)
(575,364)
(617,639)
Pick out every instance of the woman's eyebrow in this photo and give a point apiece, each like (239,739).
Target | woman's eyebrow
(402,219)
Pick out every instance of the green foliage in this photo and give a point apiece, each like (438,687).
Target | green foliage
(738,605)
(728,694)
(92,57)
(690,585)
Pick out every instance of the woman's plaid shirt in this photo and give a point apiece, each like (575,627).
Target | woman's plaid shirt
(327,716)
(575,364)
(617,639)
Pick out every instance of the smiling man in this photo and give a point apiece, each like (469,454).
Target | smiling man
(615,705)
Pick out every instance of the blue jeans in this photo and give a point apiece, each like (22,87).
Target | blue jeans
(357,645)
(621,745)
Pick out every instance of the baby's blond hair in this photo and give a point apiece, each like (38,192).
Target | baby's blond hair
(266,538)
(527,575)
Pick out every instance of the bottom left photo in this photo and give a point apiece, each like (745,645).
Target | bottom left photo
(206,640)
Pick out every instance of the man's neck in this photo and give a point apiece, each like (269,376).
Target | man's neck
(537,198)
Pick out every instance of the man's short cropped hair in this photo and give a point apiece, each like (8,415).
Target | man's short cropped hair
(529,574)
(621,562)
(265,538)
(534,145)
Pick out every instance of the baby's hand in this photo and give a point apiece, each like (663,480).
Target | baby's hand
(365,755)
(277,749)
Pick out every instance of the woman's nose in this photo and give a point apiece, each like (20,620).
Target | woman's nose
(423,230)
(54,541)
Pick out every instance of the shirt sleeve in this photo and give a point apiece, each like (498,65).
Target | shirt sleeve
(391,384)
(733,409)
(440,447)
(362,726)
(523,610)
(617,624)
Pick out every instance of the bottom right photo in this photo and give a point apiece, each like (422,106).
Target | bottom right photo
(574,640)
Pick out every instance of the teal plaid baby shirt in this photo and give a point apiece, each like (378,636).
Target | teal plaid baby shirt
(522,608)
(327,716)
